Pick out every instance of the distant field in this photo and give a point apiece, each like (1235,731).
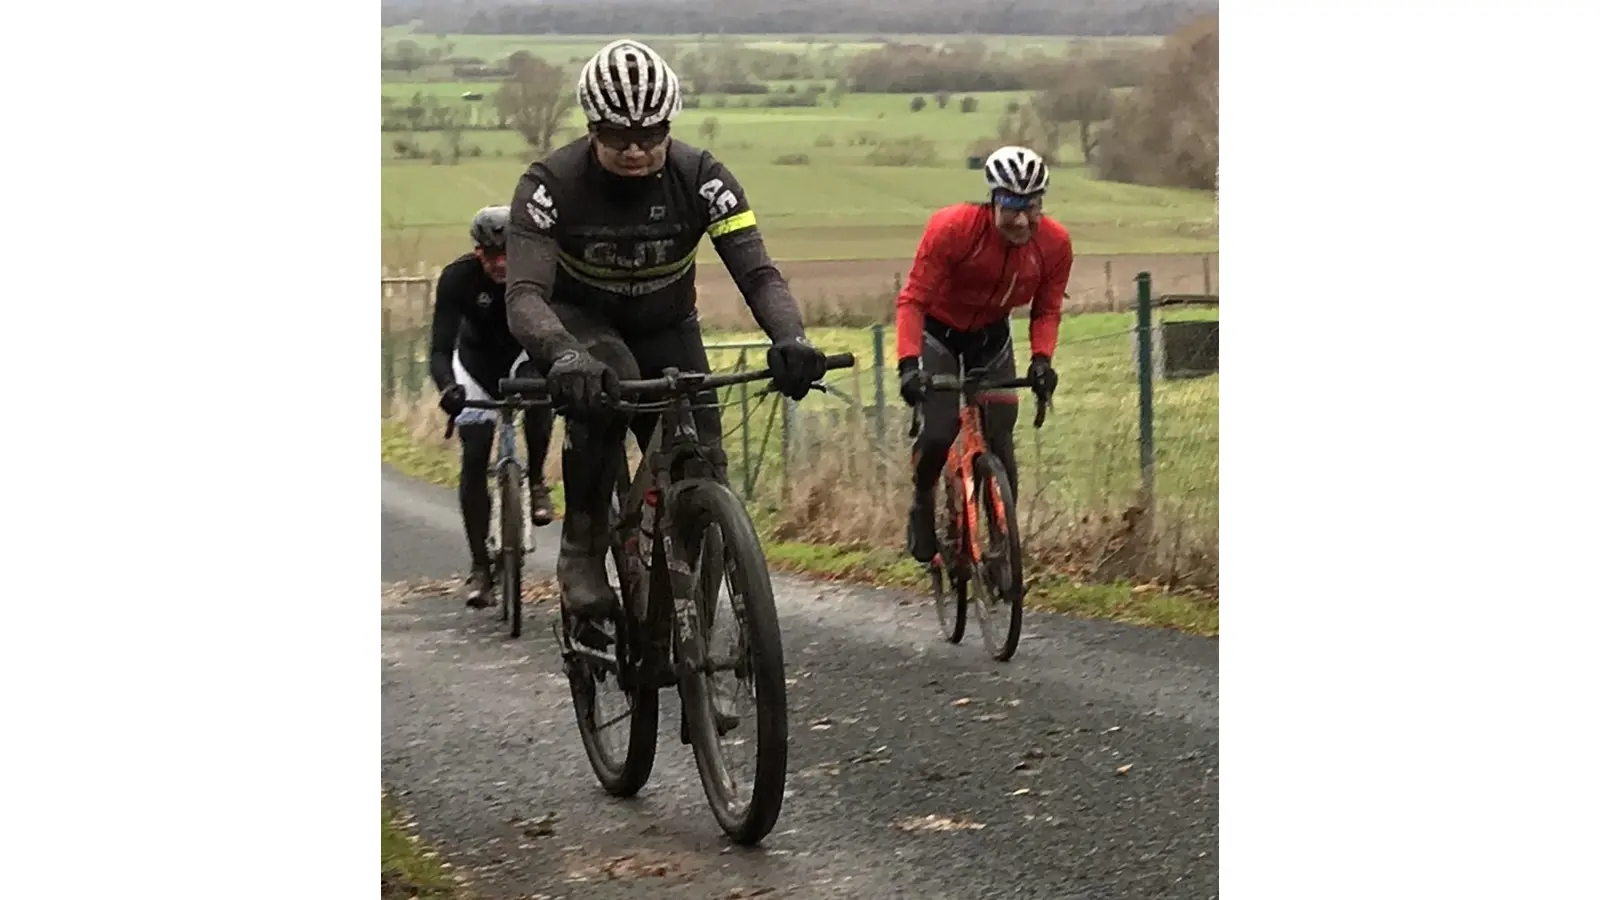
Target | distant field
(837,207)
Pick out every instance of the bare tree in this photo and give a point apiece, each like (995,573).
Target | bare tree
(408,56)
(534,99)
(1082,96)
(451,125)
(1026,128)
(1165,130)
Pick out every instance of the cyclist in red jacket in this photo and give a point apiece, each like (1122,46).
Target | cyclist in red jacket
(976,263)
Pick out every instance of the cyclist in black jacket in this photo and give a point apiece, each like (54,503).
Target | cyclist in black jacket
(600,285)
(471,350)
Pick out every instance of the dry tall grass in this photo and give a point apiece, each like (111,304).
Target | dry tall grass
(1078,498)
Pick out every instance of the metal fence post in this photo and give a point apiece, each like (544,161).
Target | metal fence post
(1147,443)
(879,413)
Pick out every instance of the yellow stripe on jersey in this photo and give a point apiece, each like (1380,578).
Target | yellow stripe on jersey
(740,222)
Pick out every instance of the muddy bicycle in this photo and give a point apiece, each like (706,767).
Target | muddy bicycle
(975,522)
(685,559)
(510,537)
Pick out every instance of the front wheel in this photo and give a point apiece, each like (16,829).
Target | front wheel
(734,651)
(617,710)
(999,570)
(511,546)
(948,574)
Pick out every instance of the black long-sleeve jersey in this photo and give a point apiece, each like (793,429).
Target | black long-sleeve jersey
(469,306)
(625,248)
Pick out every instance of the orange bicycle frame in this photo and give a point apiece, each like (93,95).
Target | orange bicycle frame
(958,466)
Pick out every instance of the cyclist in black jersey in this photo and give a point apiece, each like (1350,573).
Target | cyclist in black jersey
(600,284)
(470,351)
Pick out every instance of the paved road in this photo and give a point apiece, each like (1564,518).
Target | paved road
(888,724)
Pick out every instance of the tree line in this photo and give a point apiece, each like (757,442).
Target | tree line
(1159,130)
(1127,17)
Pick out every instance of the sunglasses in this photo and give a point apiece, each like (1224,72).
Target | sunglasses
(1018,202)
(620,139)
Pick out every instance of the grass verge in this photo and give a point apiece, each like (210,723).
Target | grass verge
(1134,604)
(436,464)
(1130,603)
(411,869)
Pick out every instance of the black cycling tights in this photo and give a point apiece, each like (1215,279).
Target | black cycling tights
(590,460)
(477,447)
(943,350)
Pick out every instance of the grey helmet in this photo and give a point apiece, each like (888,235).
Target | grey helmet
(1017,170)
(628,85)
(489,227)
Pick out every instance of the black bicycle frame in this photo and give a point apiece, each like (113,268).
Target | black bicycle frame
(677,465)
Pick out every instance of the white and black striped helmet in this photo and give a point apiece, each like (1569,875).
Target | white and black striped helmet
(1017,170)
(628,85)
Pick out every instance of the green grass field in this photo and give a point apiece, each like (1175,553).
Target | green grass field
(836,207)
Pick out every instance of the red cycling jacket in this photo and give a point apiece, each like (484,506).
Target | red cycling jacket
(967,275)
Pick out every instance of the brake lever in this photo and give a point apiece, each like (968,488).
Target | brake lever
(1042,403)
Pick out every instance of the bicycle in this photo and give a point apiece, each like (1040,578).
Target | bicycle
(515,536)
(679,535)
(972,478)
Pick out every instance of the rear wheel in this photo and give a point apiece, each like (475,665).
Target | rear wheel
(947,573)
(511,545)
(617,712)
(999,571)
(731,681)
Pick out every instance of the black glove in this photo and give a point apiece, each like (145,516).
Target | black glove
(579,383)
(1042,375)
(453,399)
(795,364)
(913,381)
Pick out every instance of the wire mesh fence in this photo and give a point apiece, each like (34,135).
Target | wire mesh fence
(1119,483)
